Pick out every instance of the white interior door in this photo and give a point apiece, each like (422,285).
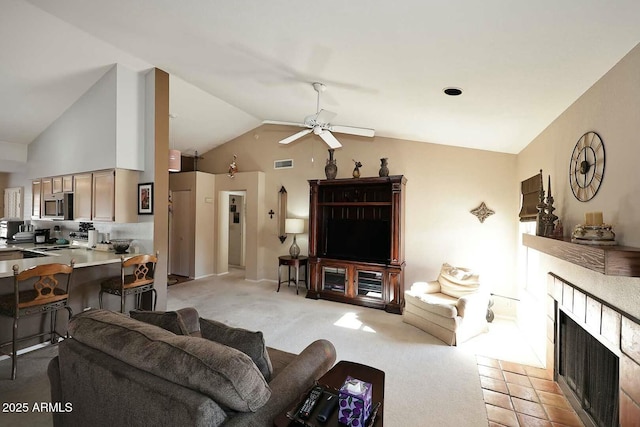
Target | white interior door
(181,235)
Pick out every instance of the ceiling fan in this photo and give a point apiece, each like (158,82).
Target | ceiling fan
(320,124)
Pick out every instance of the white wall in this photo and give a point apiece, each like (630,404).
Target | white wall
(14,156)
(103,129)
(130,111)
(83,138)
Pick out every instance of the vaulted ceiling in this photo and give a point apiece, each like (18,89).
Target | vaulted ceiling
(236,63)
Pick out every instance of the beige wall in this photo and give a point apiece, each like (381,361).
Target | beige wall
(258,226)
(444,184)
(611,107)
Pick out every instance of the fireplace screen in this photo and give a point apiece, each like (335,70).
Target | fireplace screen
(590,370)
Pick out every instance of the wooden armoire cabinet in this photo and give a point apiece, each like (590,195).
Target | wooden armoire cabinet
(356,241)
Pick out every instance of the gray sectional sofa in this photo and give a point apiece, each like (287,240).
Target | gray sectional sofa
(175,369)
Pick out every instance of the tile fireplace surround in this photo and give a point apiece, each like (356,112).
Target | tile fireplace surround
(617,330)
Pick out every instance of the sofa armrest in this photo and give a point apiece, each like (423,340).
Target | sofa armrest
(294,380)
(474,305)
(53,371)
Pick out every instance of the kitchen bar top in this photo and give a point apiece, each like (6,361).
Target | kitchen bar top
(83,256)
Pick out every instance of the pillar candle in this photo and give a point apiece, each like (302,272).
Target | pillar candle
(593,218)
(597,218)
(588,218)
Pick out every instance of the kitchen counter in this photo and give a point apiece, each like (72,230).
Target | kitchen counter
(91,268)
(84,257)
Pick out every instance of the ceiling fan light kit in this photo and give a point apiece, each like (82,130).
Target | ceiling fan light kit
(320,124)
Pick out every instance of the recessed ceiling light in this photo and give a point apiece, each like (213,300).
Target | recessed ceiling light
(453,91)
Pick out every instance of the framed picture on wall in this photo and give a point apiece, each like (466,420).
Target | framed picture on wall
(145,198)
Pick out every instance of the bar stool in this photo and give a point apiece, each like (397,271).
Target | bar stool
(139,281)
(49,294)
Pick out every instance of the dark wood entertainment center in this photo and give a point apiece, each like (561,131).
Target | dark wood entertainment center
(356,241)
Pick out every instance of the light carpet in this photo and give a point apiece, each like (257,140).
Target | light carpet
(427,382)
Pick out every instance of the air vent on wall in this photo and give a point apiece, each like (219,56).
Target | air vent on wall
(283,164)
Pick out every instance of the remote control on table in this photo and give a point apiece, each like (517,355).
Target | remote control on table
(310,403)
(328,404)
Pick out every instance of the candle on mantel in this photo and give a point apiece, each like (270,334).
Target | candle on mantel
(593,218)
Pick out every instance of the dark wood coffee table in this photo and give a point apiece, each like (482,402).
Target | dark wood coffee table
(334,379)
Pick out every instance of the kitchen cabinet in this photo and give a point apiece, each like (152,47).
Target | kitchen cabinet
(104,196)
(67,184)
(115,195)
(47,187)
(82,197)
(36,198)
(126,195)
(62,184)
(56,184)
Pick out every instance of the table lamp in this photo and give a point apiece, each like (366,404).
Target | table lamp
(294,226)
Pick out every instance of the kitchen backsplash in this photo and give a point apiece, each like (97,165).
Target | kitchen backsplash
(141,232)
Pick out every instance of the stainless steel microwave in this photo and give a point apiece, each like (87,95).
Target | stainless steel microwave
(58,206)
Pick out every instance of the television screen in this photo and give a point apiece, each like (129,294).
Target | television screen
(358,240)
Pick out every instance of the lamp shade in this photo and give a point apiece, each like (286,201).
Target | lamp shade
(174,161)
(294,226)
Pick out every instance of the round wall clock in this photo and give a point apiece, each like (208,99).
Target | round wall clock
(586,169)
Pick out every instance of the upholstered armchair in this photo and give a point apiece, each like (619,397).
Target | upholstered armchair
(452,308)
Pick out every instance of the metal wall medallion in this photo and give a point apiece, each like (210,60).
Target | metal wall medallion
(482,212)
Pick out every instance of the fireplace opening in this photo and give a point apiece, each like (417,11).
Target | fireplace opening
(590,372)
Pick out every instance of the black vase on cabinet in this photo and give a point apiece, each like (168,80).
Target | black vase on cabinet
(331,169)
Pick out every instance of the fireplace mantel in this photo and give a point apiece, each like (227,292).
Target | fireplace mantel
(610,260)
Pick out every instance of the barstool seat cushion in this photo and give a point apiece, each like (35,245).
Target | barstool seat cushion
(113,283)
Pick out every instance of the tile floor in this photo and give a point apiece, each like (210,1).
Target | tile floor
(523,396)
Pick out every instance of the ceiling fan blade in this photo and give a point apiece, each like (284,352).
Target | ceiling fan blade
(295,136)
(329,139)
(352,130)
(324,116)
(275,122)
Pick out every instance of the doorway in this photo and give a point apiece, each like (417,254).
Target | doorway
(237,231)
(180,233)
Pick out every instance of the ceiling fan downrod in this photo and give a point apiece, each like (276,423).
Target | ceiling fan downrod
(318,87)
